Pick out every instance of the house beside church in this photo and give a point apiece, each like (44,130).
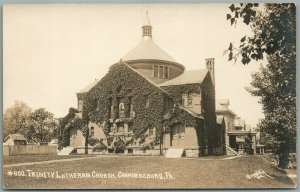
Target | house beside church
(15,139)
(236,129)
(148,100)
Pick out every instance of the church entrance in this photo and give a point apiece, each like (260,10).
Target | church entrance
(177,134)
(73,136)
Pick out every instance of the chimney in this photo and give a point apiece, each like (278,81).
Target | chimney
(210,66)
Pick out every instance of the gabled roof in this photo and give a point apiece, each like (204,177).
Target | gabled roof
(220,107)
(86,89)
(223,101)
(188,77)
(18,137)
(147,50)
(144,77)
(191,112)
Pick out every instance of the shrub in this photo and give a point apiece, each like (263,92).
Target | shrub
(119,145)
(92,141)
(100,146)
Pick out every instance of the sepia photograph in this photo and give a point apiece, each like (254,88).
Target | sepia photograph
(149,96)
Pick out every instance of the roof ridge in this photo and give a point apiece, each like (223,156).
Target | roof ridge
(187,78)
(190,112)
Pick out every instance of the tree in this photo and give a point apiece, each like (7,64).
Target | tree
(40,126)
(15,117)
(273,27)
(274,35)
(248,144)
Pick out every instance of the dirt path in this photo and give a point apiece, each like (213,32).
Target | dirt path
(46,162)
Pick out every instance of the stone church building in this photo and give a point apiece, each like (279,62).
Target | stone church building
(148,100)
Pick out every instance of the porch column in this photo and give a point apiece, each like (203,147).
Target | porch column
(227,140)
(260,150)
(254,144)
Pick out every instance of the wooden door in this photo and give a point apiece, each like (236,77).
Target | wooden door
(178,135)
(73,137)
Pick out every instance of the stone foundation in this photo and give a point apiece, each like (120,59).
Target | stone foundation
(189,152)
(192,153)
(217,151)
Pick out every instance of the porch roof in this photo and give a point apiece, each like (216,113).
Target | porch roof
(241,133)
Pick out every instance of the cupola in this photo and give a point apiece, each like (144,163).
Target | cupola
(150,60)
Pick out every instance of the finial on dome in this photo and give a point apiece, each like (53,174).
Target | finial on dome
(147,22)
(147,28)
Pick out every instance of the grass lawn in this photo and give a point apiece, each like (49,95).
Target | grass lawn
(186,173)
(7,160)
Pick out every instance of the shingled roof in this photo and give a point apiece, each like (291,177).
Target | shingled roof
(188,77)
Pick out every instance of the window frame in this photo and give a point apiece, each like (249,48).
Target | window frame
(189,99)
(161,71)
(152,131)
(92,132)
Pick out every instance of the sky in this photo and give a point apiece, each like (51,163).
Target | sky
(52,51)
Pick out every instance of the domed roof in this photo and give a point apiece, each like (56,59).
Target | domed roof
(147,50)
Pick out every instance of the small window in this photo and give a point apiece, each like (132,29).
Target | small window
(92,131)
(183,102)
(155,71)
(147,102)
(166,72)
(151,132)
(130,128)
(161,71)
(120,127)
(190,100)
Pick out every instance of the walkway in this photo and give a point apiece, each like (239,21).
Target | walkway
(46,162)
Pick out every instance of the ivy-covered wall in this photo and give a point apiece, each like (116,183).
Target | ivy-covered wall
(122,84)
(209,111)
(69,122)
(124,95)
(207,91)
(176,91)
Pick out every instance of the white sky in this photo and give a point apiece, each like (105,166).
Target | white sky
(53,51)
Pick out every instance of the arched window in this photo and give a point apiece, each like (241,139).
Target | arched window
(121,107)
(121,110)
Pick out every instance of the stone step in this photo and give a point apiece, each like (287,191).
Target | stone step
(231,151)
(174,153)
